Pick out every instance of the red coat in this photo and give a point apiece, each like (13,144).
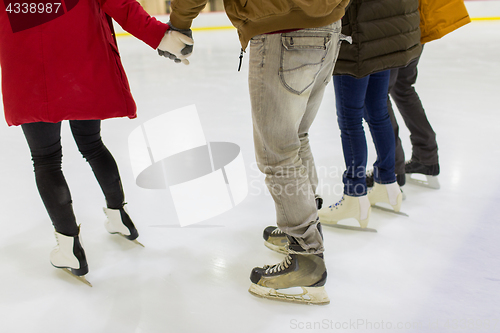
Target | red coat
(66,66)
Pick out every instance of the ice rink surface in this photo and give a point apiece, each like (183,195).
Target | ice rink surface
(434,271)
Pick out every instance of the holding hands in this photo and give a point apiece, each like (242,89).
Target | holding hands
(177,44)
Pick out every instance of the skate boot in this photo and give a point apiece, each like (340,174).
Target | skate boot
(299,278)
(348,207)
(276,240)
(386,193)
(370,181)
(70,256)
(430,173)
(369,178)
(119,222)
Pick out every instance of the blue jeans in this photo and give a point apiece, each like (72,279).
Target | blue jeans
(355,99)
(287,79)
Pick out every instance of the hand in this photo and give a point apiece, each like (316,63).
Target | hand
(177,45)
(189,48)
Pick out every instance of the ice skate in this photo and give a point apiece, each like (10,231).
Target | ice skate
(423,175)
(389,194)
(401,179)
(348,207)
(299,278)
(70,257)
(276,240)
(119,222)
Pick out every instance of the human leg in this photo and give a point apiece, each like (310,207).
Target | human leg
(424,158)
(380,127)
(422,136)
(385,189)
(279,107)
(400,154)
(283,107)
(87,135)
(275,238)
(44,140)
(350,94)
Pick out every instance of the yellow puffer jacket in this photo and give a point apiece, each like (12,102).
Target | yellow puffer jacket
(440,17)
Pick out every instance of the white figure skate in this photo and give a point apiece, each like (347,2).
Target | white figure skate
(69,256)
(119,222)
(386,193)
(348,207)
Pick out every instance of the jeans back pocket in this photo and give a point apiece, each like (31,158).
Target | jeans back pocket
(301,60)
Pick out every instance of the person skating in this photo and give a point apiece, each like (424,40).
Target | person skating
(437,19)
(65,65)
(293,46)
(384,35)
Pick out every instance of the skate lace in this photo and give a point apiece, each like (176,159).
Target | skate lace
(277,232)
(338,204)
(279,267)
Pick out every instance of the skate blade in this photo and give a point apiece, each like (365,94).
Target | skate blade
(133,241)
(430,182)
(303,295)
(79,278)
(276,248)
(138,243)
(389,210)
(349,227)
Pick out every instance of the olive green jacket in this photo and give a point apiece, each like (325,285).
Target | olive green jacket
(385,35)
(255,17)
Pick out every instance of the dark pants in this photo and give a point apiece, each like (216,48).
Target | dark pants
(357,98)
(422,136)
(44,140)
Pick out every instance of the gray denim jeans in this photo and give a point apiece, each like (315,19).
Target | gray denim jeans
(287,78)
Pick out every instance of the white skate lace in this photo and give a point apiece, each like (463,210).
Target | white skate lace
(279,267)
(277,232)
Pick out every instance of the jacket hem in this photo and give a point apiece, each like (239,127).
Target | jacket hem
(295,19)
(439,33)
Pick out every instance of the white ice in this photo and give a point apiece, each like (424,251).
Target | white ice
(436,270)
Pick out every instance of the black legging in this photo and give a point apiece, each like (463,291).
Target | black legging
(44,140)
